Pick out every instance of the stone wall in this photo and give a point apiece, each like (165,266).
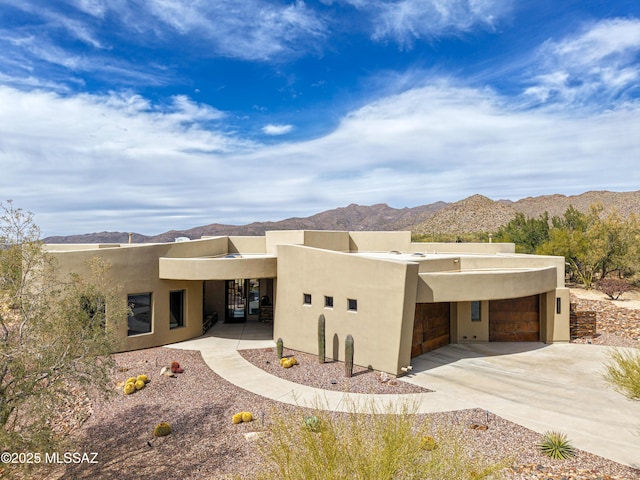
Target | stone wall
(582,324)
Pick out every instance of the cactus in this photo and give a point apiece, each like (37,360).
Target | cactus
(321,343)
(162,429)
(282,360)
(139,385)
(293,361)
(129,388)
(131,380)
(237,418)
(428,443)
(287,363)
(247,417)
(348,356)
(143,377)
(279,345)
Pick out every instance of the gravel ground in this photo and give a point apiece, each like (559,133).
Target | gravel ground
(328,376)
(206,445)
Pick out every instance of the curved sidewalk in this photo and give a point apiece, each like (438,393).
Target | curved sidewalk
(542,387)
(219,349)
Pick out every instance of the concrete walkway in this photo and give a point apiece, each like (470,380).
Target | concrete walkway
(542,387)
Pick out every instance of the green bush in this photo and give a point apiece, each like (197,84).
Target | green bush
(555,445)
(623,372)
(376,446)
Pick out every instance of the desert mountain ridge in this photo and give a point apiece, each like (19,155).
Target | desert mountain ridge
(476,213)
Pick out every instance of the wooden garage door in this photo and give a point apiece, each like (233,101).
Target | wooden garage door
(430,327)
(515,320)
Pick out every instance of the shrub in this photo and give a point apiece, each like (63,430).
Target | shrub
(614,287)
(376,445)
(623,372)
(556,445)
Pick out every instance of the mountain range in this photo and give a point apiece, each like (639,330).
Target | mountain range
(473,214)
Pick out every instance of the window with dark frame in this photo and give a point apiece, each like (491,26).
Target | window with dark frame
(352,305)
(328,302)
(476,311)
(176,308)
(306,298)
(140,315)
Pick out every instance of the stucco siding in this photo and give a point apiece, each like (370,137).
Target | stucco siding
(379,327)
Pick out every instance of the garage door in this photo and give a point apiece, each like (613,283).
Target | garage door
(515,320)
(430,327)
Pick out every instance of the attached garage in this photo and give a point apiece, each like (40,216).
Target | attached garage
(431,327)
(515,319)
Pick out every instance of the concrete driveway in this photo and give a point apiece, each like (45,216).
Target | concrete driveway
(543,387)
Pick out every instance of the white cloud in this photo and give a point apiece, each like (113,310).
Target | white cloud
(120,162)
(598,63)
(250,30)
(405,21)
(276,129)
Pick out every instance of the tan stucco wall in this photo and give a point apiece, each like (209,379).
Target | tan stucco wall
(247,245)
(381,327)
(135,268)
(484,248)
(379,241)
(467,331)
(484,284)
(217,268)
(554,326)
(479,262)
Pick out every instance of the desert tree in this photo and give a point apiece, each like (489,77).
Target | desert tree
(56,335)
(527,233)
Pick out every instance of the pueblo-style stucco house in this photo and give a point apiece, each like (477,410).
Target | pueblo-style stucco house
(397,299)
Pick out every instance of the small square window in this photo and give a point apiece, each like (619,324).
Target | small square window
(306,298)
(328,302)
(476,315)
(352,305)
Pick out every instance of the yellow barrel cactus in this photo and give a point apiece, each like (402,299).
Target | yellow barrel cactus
(237,418)
(282,360)
(162,429)
(247,417)
(139,384)
(293,361)
(129,388)
(131,380)
(287,363)
(142,378)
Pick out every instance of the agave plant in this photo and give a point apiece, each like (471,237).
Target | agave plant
(556,445)
(312,423)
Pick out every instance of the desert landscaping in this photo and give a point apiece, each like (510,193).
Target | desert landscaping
(204,442)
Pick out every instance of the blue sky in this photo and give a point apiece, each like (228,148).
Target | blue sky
(153,115)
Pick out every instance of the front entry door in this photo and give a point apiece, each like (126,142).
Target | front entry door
(243,299)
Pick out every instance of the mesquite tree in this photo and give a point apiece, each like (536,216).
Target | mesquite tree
(56,335)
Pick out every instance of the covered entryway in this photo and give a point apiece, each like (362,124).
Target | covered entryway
(515,319)
(431,327)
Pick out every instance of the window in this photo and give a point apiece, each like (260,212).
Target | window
(558,305)
(476,315)
(352,305)
(306,298)
(328,302)
(176,309)
(140,314)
